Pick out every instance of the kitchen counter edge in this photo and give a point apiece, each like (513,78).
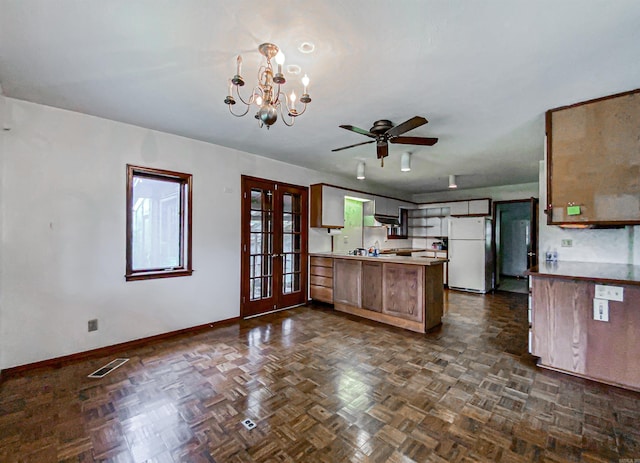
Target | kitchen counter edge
(589,271)
(424,261)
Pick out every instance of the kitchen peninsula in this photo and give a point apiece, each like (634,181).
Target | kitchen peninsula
(406,292)
(585,320)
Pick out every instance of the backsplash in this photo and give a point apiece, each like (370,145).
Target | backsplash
(379,234)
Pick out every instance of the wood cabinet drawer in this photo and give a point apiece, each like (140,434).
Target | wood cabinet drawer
(321,261)
(321,281)
(320,293)
(322,271)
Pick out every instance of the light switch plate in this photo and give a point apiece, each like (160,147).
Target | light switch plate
(612,293)
(600,309)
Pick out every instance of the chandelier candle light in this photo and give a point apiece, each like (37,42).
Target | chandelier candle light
(267,94)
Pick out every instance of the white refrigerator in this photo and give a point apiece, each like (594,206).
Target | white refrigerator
(470,256)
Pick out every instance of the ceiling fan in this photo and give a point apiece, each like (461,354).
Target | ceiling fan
(384,132)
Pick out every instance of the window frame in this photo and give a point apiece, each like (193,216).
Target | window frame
(186,204)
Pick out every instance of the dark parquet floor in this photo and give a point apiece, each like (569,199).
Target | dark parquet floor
(325,387)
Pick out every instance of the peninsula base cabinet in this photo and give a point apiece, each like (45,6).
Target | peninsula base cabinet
(409,296)
(567,337)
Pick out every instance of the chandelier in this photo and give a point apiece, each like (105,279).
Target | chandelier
(267,94)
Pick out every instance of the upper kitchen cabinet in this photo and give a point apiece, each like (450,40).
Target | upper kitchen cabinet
(327,206)
(472,207)
(593,162)
(389,206)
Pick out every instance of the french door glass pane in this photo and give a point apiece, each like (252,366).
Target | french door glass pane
(287,222)
(291,227)
(261,244)
(287,242)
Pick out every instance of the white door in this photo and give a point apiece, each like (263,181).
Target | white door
(467,264)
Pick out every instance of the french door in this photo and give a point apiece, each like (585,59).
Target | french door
(274,246)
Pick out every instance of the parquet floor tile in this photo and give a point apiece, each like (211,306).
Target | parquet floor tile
(324,386)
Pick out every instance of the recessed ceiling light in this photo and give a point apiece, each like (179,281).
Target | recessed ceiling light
(306,47)
(294,69)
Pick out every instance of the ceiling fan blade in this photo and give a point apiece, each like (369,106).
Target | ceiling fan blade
(414,141)
(351,146)
(382,149)
(358,130)
(412,123)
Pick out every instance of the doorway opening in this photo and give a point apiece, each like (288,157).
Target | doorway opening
(515,243)
(274,246)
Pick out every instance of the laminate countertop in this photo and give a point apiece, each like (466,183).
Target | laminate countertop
(390,258)
(591,271)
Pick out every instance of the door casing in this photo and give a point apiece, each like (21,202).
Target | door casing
(532,252)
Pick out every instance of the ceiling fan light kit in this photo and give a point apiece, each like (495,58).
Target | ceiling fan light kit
(384,132)
(360,171)
(267,94)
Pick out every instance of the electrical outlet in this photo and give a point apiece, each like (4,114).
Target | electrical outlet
(612,293)
(247,423)
(566,243)
(601,310)
(93,325)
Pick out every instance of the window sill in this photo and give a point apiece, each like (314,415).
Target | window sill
(156,275)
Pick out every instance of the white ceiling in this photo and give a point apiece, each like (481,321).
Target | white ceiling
(482,72)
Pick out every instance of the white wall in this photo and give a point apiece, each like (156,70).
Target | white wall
(3,104)
(63,232)
(496,193)
(618,246)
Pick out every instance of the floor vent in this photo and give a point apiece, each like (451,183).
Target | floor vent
(108,368)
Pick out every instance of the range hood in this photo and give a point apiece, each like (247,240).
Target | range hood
(386,219)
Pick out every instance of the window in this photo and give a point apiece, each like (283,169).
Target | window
(158,223)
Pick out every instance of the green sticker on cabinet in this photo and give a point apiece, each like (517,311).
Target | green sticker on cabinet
(573,210)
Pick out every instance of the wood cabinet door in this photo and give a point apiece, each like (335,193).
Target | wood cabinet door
(372,286)
(560,316)
(347,277)
(592,161)
(403,291)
